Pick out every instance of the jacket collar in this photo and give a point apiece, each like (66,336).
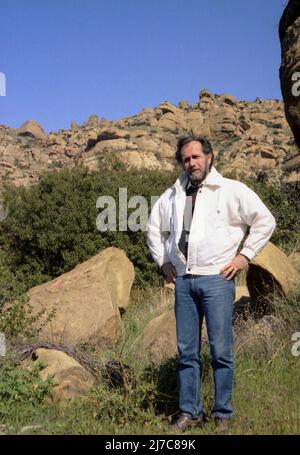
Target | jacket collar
(214,178)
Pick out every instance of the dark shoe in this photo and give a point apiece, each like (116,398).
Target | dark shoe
(222,424)
(183,423)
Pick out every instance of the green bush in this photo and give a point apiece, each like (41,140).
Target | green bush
(21,390)
(125,406)
(51,226)
(283,202)
(18,317)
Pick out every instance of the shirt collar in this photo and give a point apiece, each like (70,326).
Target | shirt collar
(214,178)
(189,185)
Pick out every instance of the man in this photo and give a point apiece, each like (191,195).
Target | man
(194,231)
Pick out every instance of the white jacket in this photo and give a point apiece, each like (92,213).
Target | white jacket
(222,213)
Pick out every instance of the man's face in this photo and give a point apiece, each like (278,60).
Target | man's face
(195,162)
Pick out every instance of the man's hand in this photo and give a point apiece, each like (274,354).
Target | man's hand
(169,271)
(234,267)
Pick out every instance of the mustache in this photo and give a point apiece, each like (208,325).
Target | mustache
(195,169)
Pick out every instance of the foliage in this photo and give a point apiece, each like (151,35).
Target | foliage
(125,406)
(283,202)
(21,390)
(17,317)
(51,226)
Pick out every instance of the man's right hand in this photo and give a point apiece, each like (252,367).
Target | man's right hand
(169,271)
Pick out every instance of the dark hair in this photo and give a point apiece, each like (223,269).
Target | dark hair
(206,146)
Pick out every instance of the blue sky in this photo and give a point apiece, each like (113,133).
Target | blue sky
(67,59)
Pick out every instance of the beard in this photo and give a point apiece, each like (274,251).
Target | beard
(197,177)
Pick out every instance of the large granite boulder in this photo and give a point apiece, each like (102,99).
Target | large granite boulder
(33,129)
(87,300)
(158,342)
(270,272)
(70,379)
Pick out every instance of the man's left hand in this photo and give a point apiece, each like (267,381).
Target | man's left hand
(234,267)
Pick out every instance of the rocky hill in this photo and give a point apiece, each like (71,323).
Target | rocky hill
(251,139)
(289,34)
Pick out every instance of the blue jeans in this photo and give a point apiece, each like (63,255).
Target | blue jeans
(211,296)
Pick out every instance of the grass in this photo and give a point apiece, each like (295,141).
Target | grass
(266,397)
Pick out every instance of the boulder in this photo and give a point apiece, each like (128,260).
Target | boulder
(74,126)
(147,144)
(270,271)
(241,292)
(159,338)
(144,160)
(223,122)
(262,117)
(87,300)
(183,104)
(90,158)
(112,133)
(165,150)
(206,97)
(168,107)
(69,377)
(228,99)
(194,122)
(93,120)
(158,342)
(172,122)
(33,129)
(258,133)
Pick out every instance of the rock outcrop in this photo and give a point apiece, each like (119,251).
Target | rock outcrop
(289,32)
(32,129)
(87,300)
(250,139)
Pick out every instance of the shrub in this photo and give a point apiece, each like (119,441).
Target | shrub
(51,226)
(17,319)
(21,390)
(283,202)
